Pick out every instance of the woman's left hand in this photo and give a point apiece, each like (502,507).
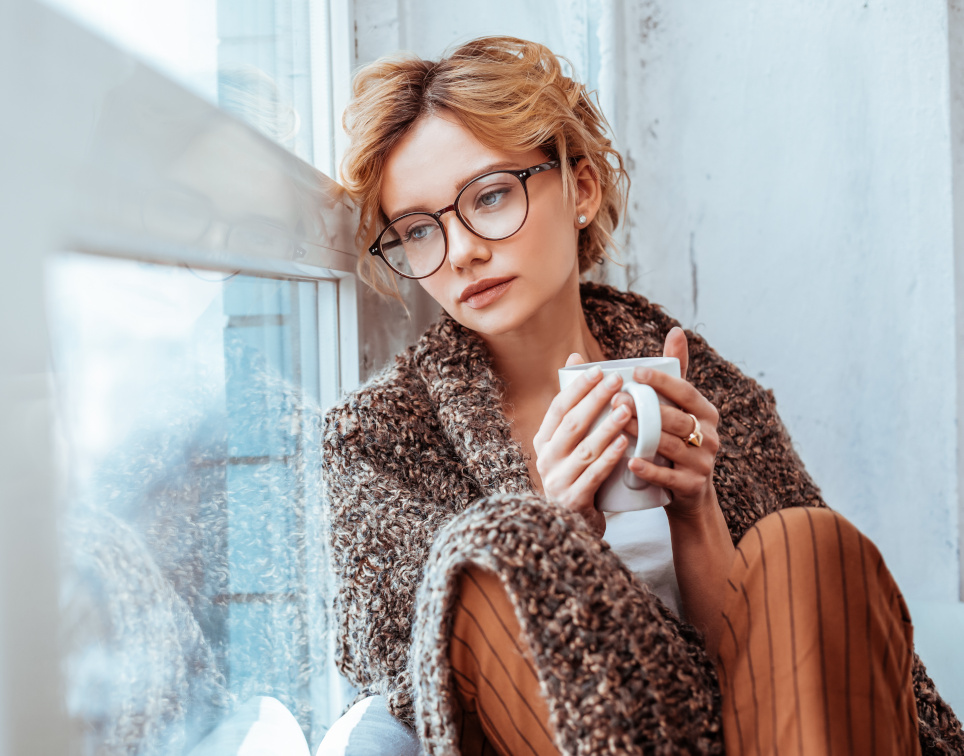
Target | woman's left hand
(690,480)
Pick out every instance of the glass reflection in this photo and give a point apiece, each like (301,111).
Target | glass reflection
(193,573)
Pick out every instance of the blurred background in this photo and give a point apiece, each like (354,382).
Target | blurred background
(179,307)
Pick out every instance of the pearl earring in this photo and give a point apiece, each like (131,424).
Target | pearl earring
(582,219)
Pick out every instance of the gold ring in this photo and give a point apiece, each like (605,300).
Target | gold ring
(696,437)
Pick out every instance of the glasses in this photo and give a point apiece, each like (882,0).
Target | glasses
(493,206)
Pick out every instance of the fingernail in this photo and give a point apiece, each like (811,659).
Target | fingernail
(620,413)
(643,374)
(613,380)
(637,465)
(593,373)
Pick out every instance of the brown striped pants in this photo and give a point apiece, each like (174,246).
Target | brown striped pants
(815,656)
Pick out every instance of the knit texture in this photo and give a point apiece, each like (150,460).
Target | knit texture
(620,672)
(427,437)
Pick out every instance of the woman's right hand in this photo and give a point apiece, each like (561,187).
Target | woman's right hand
(572,462)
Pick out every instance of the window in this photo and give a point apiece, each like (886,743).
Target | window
(194,581)
(189,277)
(268,62)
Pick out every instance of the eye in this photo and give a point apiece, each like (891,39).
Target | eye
(419,232)
(492,198)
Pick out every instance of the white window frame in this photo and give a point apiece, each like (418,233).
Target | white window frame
(57,193)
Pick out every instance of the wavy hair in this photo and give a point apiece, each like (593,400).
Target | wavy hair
(505,91)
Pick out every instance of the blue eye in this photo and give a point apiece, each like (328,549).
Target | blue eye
(419,232)
(492,198)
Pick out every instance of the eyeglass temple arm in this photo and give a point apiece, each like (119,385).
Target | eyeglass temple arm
(548,166)
(540,168)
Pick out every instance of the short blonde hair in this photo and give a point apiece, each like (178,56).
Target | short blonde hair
(505,91)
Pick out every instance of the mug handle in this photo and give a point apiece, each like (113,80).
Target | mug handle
(650,427)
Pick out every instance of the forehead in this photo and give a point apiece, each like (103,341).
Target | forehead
(426,167)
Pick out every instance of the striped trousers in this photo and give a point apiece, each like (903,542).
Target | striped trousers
(815,656)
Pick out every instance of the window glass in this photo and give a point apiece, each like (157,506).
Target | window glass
(257,59)
(192,538)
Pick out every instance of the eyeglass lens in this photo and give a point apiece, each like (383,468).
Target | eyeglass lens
(493,207)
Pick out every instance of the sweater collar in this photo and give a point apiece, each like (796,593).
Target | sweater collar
(455,366)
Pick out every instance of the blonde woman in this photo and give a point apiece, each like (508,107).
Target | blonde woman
(476,591)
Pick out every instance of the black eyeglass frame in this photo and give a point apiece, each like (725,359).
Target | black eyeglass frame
(523,175)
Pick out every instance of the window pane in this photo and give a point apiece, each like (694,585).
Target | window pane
(254,58)
(193,576)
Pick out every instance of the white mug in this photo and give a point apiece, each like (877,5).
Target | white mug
(622,491)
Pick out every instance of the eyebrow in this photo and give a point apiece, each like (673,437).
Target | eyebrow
(502,165)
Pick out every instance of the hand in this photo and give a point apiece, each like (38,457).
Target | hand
(690,480)
(572,462)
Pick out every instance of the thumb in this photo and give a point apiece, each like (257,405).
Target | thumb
(677,346)
(575,359)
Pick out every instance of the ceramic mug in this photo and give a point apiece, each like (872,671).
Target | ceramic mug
(622,491)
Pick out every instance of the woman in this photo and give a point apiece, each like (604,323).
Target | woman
(462,482)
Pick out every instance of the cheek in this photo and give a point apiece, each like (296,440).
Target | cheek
(553,235)
(433,285)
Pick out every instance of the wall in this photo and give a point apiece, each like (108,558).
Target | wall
(793,203)
(955,24)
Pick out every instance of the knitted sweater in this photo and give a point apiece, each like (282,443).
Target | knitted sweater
(427,437)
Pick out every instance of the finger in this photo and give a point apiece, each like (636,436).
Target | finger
(680,392)
(575,359)
(586,451)
(565,400)
(677,346)
(676,421)
(593,475)
(683,482)
(575,425)
(699,459)
(622,399)
(672,419)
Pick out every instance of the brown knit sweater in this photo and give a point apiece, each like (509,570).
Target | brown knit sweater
(425,445)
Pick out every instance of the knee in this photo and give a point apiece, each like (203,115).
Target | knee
(823,527)
(821,533)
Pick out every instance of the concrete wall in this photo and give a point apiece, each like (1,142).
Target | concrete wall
(955,24)
(792,202)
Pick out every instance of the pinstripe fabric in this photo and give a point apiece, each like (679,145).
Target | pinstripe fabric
(494,676)
(815,656)
(817,646)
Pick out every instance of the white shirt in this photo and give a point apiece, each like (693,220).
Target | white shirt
(641,539)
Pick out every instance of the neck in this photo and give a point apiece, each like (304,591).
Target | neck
(528,359)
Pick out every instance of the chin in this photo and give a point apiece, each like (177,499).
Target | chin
(496,320)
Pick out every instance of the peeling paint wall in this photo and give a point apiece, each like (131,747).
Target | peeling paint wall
(955,25)
(792,202)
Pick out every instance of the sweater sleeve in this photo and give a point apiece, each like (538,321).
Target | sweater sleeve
(757,469)
(389,485)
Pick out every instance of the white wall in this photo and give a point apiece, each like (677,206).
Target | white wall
(793,202)
(955,23)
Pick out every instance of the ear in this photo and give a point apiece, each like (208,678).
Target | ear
(588,192)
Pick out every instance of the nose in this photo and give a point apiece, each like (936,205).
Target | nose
(465,248)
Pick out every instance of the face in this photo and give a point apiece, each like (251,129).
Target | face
(492,287)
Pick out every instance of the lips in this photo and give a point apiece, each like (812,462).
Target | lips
(481,292)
